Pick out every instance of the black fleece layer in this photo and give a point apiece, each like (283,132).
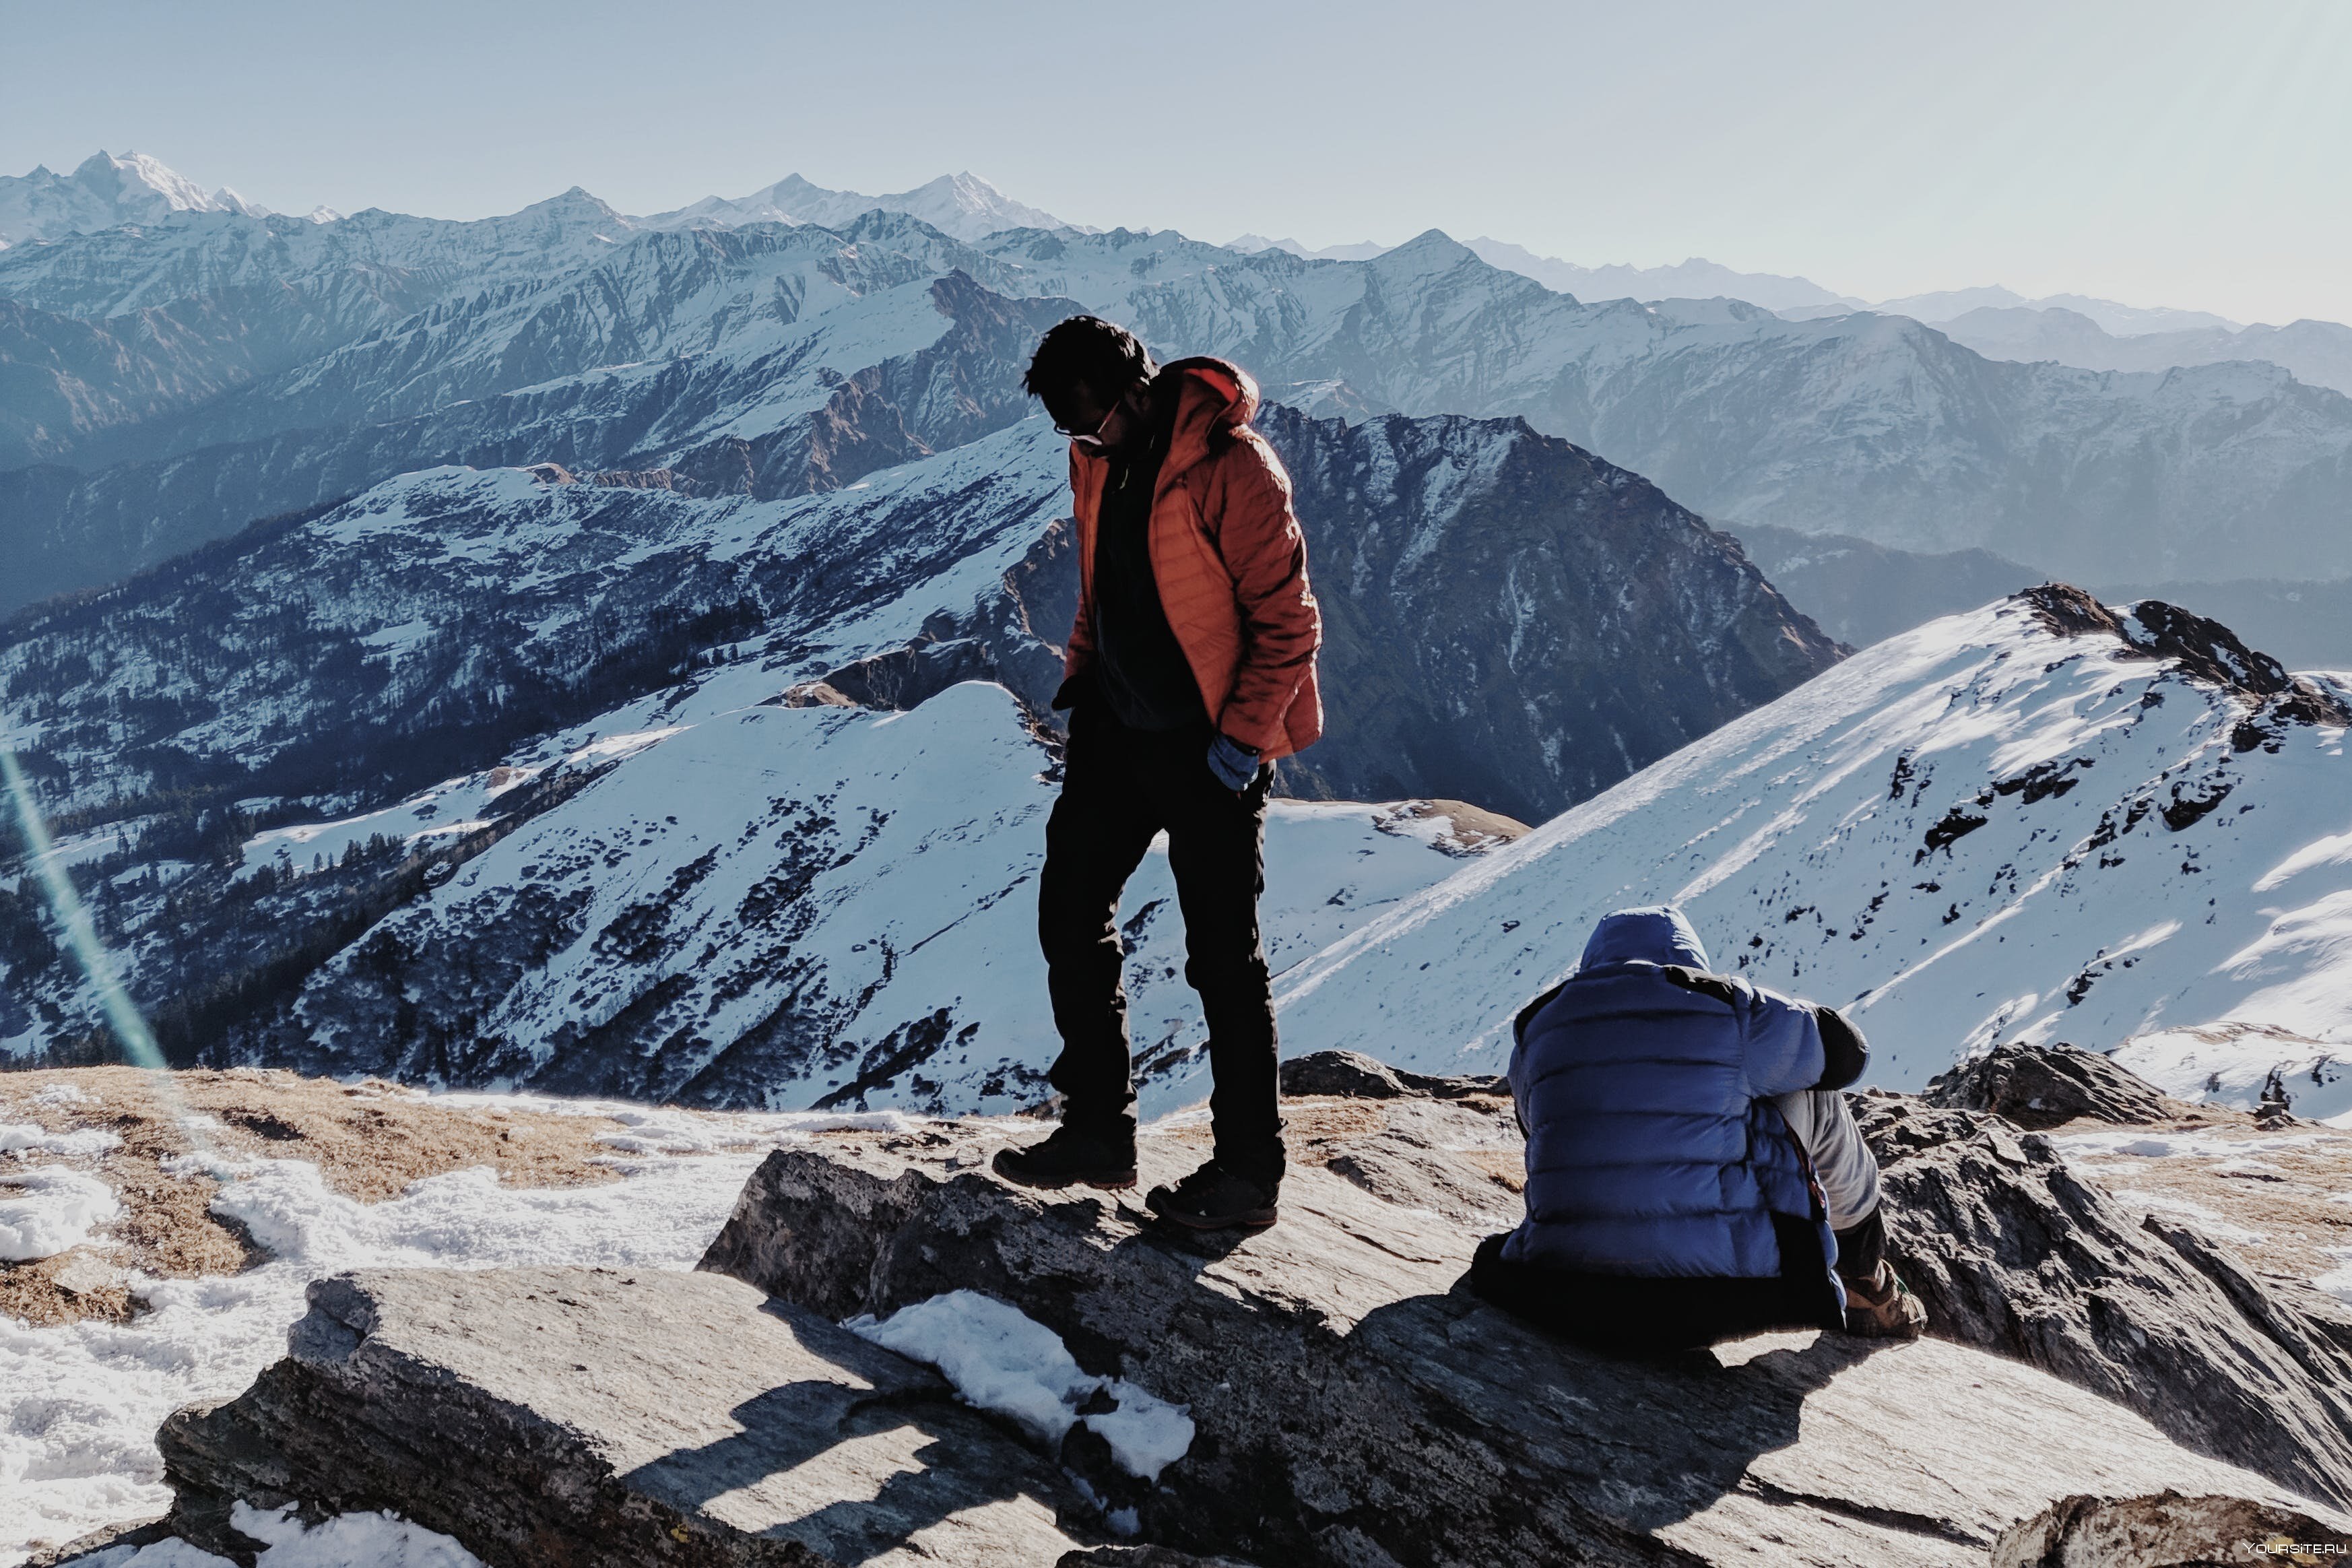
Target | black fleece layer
(1139,667)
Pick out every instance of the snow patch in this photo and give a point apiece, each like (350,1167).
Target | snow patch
(25,1137)
(1000,1359)
(52,1210)
(346,1540)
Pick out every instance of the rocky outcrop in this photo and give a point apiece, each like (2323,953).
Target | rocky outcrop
(2014,1253)
(1350,1401)
(1355,1406)
(1353,1075)
(587,1418)
(2204,649)
(2166,1531)
(2041,1087)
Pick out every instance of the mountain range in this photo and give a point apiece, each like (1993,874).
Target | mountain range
(179,379)
(615,654)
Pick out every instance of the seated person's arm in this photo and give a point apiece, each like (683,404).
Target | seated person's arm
(1845,1054)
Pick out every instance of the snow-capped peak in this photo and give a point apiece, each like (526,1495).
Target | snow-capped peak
(132,175)
(105,191)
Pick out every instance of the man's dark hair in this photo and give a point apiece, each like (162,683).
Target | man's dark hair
(1105,358)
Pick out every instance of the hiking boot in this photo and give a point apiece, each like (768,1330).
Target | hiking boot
(1100,1157)
(1216,1198)
(1882,1307)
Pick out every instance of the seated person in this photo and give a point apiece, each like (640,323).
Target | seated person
(1693,1173)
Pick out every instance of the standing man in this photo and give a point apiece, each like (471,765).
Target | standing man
(1190,669)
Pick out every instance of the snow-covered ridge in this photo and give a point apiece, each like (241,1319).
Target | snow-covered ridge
(104,191)
(2018,824)
(962,205)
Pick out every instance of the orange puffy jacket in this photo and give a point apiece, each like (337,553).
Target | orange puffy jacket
(1229,559)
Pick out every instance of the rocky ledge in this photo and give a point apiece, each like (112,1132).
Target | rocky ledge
(2088,1380)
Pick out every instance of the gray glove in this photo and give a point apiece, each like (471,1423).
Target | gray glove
(1234,763)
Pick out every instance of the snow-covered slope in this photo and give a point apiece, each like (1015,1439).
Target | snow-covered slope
(788,907)
(2040,820)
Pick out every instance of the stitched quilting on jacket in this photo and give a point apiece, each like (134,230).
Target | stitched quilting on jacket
(1646,1087)
(1229,559)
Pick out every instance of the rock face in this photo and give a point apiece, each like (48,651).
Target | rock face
(2013,1253)
(2163,1532)
(583,1416)
(1354,1406)
(2041,1087)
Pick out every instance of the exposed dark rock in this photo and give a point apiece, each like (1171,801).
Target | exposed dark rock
(587,1418)
(2167,1531)
(1351,1075)
(1354,1406)
(2041,1087)
(2205,650)
(2013,1253)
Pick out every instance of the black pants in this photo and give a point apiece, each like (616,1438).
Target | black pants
(1643,1314)
(1119,787)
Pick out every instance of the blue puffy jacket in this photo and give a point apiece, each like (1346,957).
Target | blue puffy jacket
(1646,1087)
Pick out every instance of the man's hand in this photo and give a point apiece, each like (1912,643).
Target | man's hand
(1234,763)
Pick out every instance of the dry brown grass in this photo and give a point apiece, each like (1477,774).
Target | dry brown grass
(2296,1216)
(370,1141)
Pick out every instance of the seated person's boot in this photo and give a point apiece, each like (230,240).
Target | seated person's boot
(1097,1154)
(1882,1307)
(1217,1197)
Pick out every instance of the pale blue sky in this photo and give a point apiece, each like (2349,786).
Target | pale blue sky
(2159,153)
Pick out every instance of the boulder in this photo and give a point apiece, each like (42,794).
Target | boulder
(2014,1253)
(2042,1087)
(1355,1406)
(598,1419)
(2165,1532)
(1355,1076)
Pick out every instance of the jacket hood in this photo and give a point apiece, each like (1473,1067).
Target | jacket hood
(1214,398)
(1660,934)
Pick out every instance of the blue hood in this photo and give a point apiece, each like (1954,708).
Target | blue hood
(1660,935)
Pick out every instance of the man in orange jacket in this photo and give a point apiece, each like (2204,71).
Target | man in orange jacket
(1190,669)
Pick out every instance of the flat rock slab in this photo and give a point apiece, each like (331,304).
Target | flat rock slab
(1355,1407)
(592,1417)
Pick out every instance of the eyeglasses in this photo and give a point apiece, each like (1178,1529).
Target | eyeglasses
(1089,437)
